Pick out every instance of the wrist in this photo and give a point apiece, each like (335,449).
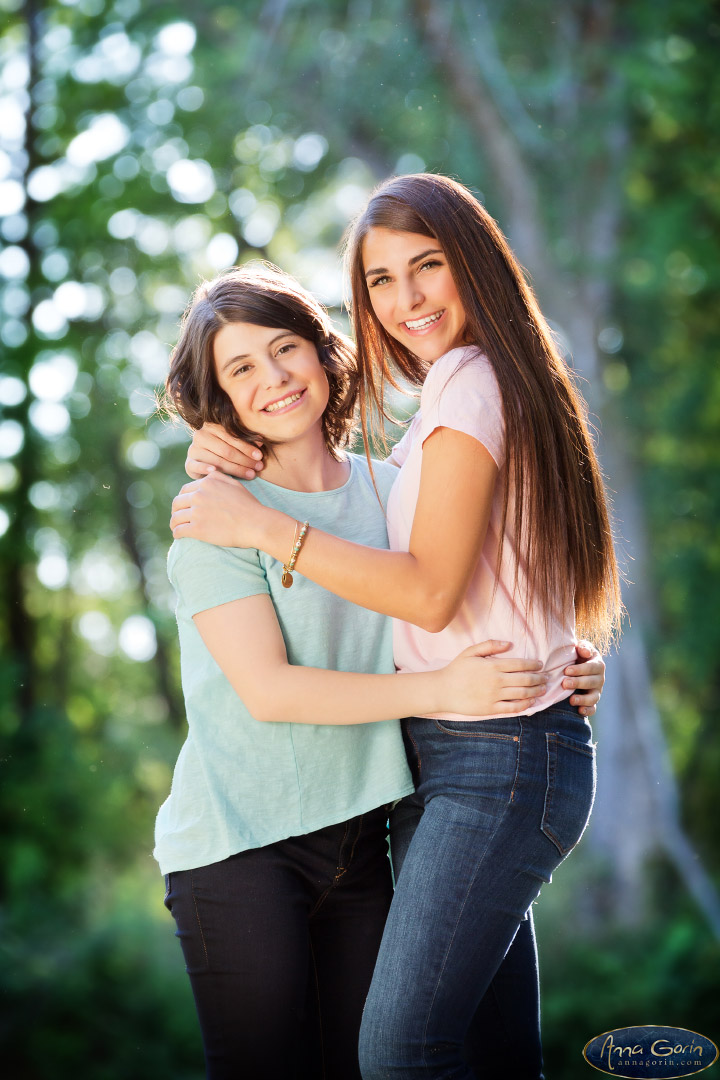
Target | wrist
(276,532)
(438,691)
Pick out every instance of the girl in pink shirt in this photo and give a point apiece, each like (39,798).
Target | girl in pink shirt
(499,528)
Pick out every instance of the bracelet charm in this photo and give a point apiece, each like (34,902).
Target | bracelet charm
(288,567)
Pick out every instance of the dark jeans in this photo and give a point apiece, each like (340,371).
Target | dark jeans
(280,944)
(499,804)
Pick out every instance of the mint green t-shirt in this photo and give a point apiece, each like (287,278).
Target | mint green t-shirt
(240,783)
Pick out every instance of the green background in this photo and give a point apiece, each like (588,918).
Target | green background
(145,146)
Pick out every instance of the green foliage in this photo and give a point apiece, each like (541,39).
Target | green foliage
(100,995)
(286,122)
(669,275)
(663,973)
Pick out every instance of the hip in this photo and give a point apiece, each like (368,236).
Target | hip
(538,768)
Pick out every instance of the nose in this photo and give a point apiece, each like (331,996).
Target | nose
(409,295)
(274,374)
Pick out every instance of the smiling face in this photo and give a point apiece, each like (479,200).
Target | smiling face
(274,380)
(412,291)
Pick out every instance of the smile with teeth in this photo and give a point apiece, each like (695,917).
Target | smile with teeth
(428,320)
(284,402)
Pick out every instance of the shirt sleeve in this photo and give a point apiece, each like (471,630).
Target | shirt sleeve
(462,393)
(205,576)
(402,447)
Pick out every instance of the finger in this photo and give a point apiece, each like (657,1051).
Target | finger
(182,530)
(584,682)
(180,509)
(531,678)
(588,711)
(217,431)
(196,468)
(243,468)
(511,663)
(590,698)
(487,648)
(587,647)
(518,706)
(590,667)
(180,517)
(226,447)
(240,451)
(512,693)
(219,476)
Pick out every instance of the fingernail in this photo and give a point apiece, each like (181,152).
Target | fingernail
(250,475)
(257,455)
(260,465)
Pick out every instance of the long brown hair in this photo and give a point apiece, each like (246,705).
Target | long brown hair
(559,511)
(265,296)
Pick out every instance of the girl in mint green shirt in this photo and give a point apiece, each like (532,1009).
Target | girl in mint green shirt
(273,838)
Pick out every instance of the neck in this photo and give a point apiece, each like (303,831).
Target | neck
(305,465)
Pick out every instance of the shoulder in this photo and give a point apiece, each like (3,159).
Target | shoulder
(463,395)
(189,556)
(384,473)
(465,369)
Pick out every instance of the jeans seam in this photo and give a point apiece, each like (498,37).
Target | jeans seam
(197,916)
(319,1010)
(553,739)
(518,740)
(571,744)
(321,899)
(349,859)
(472,734)
(417,748)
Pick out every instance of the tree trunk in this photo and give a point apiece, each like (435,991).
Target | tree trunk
(17,555)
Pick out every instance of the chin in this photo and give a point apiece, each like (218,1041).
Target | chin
(431,353)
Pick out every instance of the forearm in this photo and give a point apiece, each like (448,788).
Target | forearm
(424,585)
(395,583)
(289,694)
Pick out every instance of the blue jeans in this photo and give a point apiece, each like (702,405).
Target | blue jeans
(280,944)
(499,804)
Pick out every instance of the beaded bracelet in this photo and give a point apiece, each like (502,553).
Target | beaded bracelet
(289,566)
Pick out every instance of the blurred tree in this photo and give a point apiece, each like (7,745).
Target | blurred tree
(143,146)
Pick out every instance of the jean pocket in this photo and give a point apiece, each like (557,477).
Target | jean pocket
(496,728)
(570,790)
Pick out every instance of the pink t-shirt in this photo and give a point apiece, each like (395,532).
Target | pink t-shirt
(461,392)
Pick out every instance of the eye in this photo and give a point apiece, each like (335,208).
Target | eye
(242,369)
(378,281)
(286,348)
(430,263)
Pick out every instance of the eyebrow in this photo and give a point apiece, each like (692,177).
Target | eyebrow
(246,356)
(411,262)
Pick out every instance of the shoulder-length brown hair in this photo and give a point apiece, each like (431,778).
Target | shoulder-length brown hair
(265,296)
(560,512)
